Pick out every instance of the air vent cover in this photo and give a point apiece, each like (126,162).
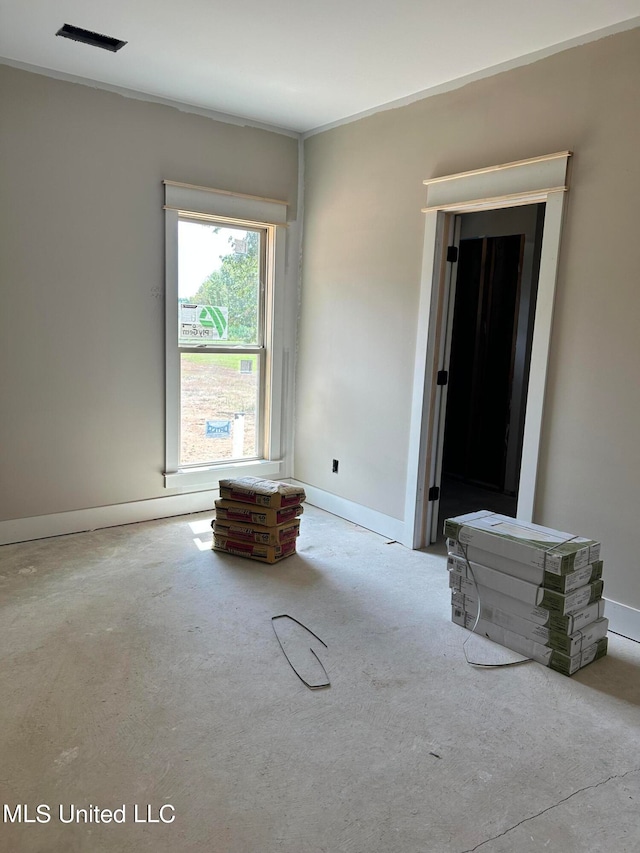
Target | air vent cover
(68,31)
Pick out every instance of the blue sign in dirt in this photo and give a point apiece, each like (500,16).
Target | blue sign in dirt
(218,429)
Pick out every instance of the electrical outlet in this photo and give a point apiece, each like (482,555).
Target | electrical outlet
(334,466)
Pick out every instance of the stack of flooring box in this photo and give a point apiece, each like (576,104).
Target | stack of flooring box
(256,518)
(534,590)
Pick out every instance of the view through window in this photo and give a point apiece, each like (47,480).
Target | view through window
(221,318)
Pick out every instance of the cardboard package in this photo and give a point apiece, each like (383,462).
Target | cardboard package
(466,596)
(504,565)
(580,640)
(571,644)
(531,574)
(514,587)
(571,582)
(523,542)
(535,590)
(567,664)
(573,601)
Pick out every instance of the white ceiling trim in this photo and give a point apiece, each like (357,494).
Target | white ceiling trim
(230,118)
(226,118)
(459,82)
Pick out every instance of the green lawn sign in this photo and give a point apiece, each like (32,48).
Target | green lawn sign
(203,322)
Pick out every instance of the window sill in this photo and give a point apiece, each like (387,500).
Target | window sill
(196,479)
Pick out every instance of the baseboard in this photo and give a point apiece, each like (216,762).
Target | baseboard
(78,521)
(623,619)
(371,519)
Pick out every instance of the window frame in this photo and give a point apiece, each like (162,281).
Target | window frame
(200,203)
(259,348)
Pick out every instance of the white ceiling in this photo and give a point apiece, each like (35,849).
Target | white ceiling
(296,64)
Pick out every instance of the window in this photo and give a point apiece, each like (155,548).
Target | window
(221,290)
(224,260)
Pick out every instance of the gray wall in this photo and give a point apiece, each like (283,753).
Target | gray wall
(361,272)
(82,281)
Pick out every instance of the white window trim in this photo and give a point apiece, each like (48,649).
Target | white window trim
(259,212)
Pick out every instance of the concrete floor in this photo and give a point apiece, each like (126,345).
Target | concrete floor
(139,667)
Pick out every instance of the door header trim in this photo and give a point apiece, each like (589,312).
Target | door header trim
(522,182)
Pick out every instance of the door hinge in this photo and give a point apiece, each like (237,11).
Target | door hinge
(434,493)
(452,254)
(443,377)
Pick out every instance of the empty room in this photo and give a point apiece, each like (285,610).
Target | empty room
(320,427)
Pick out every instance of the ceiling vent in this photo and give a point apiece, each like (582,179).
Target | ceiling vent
(87,37)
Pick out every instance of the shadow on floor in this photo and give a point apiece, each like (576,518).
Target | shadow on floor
(293,570)
(613,675)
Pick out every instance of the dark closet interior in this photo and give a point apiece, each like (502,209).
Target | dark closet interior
(482,359)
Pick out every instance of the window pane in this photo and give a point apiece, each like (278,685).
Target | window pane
(218,284)
(219,407)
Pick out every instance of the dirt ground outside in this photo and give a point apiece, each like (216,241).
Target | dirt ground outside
(215,391)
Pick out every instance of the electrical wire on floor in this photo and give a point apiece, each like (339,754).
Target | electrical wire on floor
(327,682)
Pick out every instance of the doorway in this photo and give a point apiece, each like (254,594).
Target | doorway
(480,377)
(492,299)
(535,180)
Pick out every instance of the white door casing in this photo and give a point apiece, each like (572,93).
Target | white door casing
(443,360)
(531,181)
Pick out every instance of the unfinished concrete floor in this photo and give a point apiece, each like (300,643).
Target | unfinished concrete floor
(139,667)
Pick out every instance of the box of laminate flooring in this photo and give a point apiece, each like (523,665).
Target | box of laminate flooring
(523,542)
(535,590)
(503,582)
(558,660)
(569,644)
(259,519)
(467,596)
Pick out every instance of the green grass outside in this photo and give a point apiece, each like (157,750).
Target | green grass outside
(223,359)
